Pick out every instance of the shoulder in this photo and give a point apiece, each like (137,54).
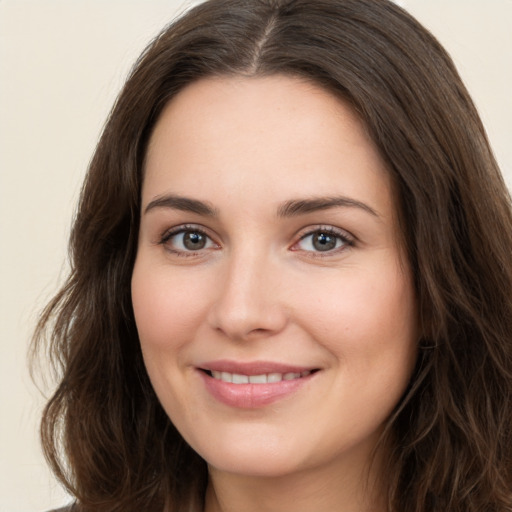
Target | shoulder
(69,508)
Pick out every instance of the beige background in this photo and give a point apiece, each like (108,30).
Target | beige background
(61,65)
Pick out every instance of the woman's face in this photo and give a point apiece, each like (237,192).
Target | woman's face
(274,306)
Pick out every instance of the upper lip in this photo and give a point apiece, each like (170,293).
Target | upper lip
(253,367)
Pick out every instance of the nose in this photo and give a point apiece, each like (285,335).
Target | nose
(249,300)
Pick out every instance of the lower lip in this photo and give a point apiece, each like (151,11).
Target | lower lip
(251,396)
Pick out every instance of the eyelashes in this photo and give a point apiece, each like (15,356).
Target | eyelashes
(324,240)
(318,241)
(188,240)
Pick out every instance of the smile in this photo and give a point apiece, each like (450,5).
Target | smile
(254,385)
(264,378)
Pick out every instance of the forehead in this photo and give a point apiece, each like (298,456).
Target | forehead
(271,137)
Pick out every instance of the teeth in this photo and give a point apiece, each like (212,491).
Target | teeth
(240,379)
(226,377)
(237,378)
(258,379)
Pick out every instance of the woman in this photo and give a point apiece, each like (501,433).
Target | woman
(290,280)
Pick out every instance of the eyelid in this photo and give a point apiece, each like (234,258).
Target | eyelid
(182,228)
(347,239)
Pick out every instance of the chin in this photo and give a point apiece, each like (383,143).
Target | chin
(245,456)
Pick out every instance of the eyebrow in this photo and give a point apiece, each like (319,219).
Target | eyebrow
(292,208)
(185,204)
(302,206)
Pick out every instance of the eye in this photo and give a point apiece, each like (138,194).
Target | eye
(324,241)
(184,240)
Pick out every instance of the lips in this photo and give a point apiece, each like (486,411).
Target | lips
(253,385)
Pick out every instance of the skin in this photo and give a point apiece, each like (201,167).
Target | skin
(260,289)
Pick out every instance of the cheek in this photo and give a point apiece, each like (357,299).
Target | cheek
(167,313)
(166,305)
(365,316)
(369,327)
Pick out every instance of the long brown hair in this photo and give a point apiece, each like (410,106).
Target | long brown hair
(104,432)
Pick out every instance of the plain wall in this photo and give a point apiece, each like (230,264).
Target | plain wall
(61,65)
